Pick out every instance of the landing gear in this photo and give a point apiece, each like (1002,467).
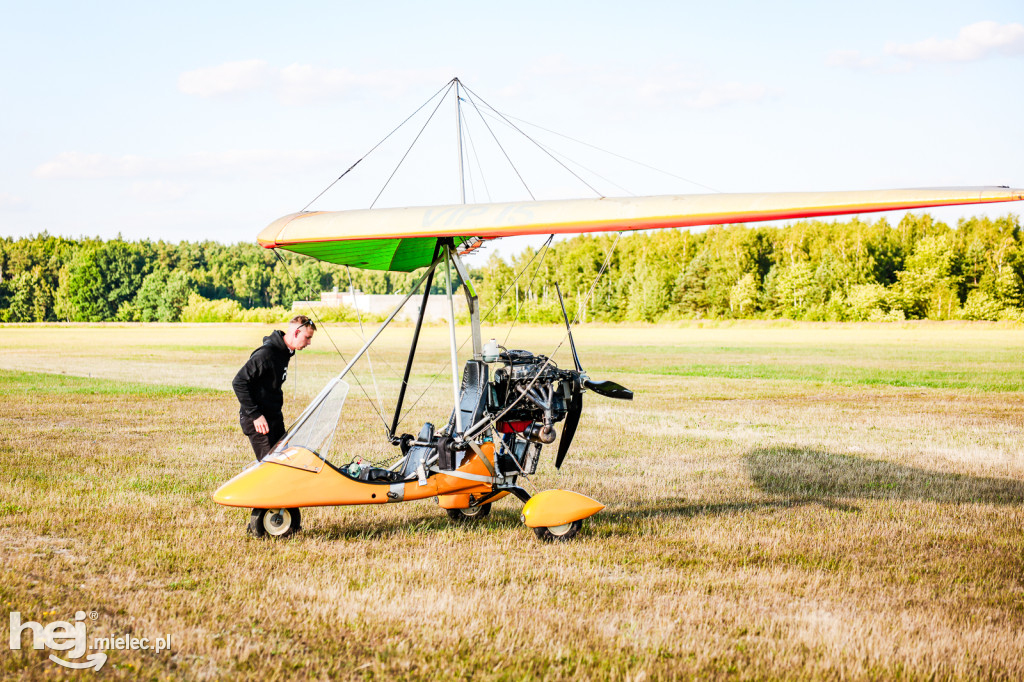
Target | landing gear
(469,514)
(561,533)
(276,523)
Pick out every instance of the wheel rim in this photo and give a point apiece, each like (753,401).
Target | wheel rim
(560,530)
(471,511)
(277,521)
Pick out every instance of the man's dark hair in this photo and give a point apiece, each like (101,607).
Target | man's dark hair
(302,321)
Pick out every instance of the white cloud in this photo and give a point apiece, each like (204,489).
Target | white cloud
(78,166)
(299,84)
(977,41)
(11,202)
(982,40)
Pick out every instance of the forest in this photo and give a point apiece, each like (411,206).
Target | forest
(855,270)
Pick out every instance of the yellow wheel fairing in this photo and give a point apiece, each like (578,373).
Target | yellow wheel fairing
(557,508)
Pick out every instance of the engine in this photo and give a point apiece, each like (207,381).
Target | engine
(528,394)
(525,397)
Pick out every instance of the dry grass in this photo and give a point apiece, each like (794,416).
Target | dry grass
(772,526)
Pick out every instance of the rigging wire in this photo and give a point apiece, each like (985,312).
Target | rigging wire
(458,134)
(362,334)
(611,153)
(415,140)
(443,364)
(501,297)
(346,326)
(472,94)
(550,150)
(492,423)
(468,173)
(544,250)
(541,253)
(330,338)
(497,142)
(445,88)
(529,285)
(446,85)
(547,362)
(480,168)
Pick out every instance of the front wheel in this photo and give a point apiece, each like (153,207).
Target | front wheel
(469,514)
(276,523)
(562,533)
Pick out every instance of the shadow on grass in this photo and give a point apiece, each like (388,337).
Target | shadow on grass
(805,474)
(688,509)
(796,477)
(369,528)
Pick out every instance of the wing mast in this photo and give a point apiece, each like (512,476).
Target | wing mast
(451,334)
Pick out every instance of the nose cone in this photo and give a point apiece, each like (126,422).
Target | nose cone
(557,508)
(267,485)
(243,488)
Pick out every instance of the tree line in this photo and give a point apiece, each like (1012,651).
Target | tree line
(809,270)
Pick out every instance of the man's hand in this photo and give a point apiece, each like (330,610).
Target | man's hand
(261,425)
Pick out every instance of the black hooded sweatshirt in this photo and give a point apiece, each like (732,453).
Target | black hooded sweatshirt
(258,383)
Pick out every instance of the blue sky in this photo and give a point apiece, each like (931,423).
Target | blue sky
(207,121)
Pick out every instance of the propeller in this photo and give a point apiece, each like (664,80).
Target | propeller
(609,389)
(572,420)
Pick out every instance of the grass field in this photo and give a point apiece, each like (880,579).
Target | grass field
(783,502)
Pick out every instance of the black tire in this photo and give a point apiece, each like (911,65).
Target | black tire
(255,527)
(470,514)
(276,523)
(558,533)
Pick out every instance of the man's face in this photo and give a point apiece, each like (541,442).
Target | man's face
(301,337)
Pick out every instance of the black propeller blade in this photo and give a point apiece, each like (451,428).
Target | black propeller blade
(568,328)
(572,420)
(609,389)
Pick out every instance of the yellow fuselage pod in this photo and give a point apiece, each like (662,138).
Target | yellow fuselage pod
(551,508)
(304,480)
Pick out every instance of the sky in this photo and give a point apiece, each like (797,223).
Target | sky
(190,121)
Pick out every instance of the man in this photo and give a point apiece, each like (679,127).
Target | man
(258,384)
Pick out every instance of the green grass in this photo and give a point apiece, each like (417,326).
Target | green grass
(904,364)
(977,379)
(39,384)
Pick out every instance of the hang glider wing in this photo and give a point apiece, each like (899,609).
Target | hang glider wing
(403,239)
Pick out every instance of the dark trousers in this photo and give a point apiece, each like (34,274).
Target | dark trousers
(262,443)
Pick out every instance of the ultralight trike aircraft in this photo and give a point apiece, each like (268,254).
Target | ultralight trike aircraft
(509,400)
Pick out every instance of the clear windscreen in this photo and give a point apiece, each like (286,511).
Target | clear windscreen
(316,427)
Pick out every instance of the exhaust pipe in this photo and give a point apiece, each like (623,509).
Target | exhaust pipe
(540,433)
